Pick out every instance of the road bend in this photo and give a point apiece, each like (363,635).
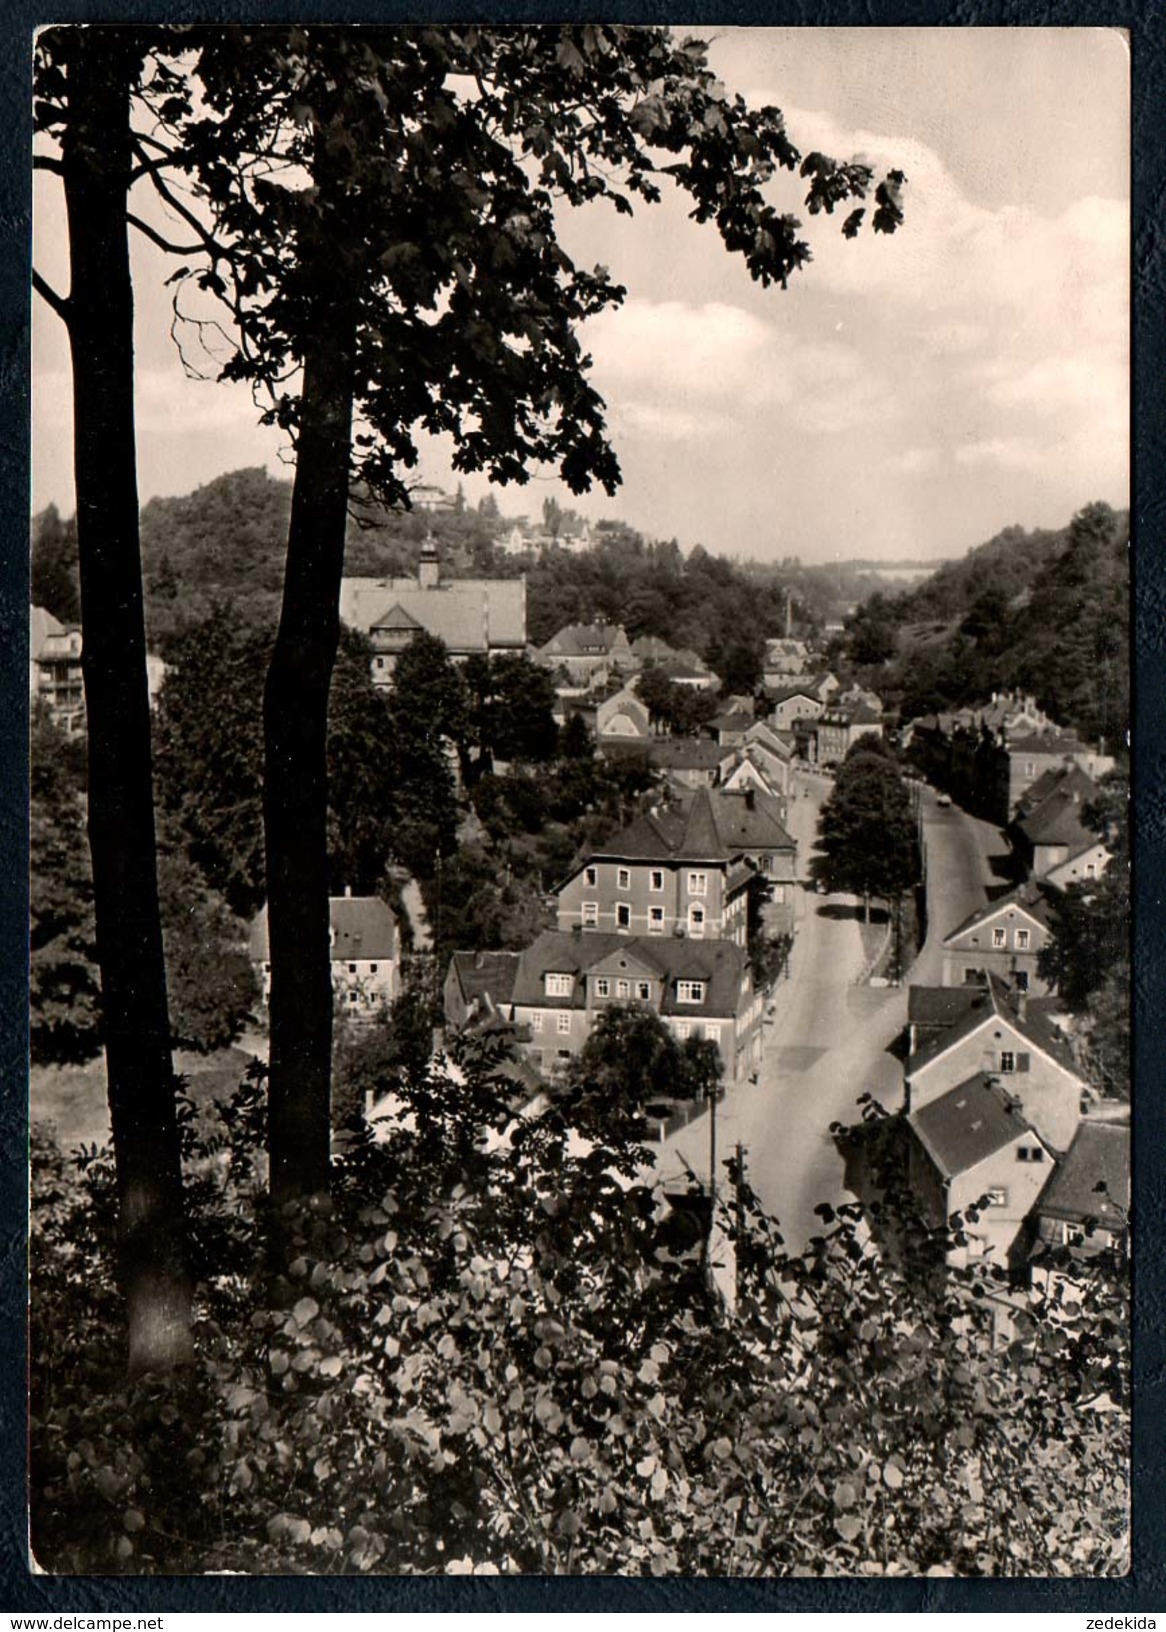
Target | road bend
(826,1037)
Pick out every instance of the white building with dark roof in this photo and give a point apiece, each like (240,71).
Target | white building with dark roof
(365,954)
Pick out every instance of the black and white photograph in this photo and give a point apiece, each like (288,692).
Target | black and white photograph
(579,686)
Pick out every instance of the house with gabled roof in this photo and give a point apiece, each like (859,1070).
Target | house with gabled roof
(479,986)
(1084,1211)
(671,872)
(973,1151)
(1013,764)
(790,703)
(567,978)
(957,1031)
(1003,939)
(683,870)
(583,649)
(470,615)
(1051,838)
(678,664)
(365,955)
(622,717)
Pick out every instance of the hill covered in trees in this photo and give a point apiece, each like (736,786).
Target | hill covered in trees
(1045,612)
(225,542)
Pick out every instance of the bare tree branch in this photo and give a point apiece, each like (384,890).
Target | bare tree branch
(58,303)
(157,238)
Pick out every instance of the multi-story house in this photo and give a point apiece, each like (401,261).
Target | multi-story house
(959,1032)
(680,665)
(792,703)
(669,873)
(1015,763)
(972,1149)
(683,871)
(1050,837)
(1003,939)
(582,649)
(700,989)
(470,615)
(54,662)
(833,734)
(365,954)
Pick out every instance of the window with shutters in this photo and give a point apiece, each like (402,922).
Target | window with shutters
(1007,1061)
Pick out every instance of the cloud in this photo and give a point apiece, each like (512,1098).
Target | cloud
(678,369)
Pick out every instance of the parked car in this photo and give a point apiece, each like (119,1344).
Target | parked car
(944,801)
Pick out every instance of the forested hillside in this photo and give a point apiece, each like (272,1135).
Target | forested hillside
(225,542)
(1040,612)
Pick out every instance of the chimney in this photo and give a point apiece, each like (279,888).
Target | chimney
(348,892)
(750,798)
(1021,1005)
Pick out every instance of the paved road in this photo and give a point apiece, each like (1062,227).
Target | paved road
(827,1040)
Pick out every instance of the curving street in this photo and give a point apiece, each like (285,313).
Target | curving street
(826,1041)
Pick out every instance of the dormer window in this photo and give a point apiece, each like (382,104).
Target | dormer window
(560,985)
(690,991)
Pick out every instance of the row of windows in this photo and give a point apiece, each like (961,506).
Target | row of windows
(1023,939)
(687,991)
(623,918)
(698,883)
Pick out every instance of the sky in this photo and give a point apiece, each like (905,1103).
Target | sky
(906,397)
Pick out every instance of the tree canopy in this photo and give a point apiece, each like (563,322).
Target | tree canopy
(867,830)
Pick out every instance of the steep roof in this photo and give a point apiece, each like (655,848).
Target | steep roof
(968,1123)
(1031,1018)
(583,640)
(395,618)
(1029,898)
(750,820)
(41,624)
(1065,778)
(363,927)
(719,964)
(468,614)
(482,974)
(1099,1154)
(1057,820)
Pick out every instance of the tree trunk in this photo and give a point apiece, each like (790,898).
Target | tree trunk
(96,157)
(295,804)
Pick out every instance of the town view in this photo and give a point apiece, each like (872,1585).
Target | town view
(562,1042)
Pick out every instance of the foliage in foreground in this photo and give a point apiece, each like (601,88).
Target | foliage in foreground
(488,1353)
